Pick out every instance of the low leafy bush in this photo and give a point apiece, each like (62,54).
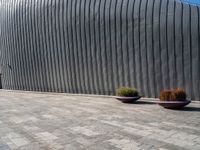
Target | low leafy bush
(127,92)
(173,95)
(180,94)
(167,95)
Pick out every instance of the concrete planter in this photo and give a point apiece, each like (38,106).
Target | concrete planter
(173,104)
(127,99)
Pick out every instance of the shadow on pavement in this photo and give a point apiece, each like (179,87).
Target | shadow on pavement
(190,109)
(142,102)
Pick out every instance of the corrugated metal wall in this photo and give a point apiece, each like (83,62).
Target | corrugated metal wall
(95,46)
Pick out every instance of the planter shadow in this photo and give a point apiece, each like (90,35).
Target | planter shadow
(143,103)
(188,108)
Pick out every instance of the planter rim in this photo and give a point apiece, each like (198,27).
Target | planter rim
(124,97)
(173,102)
(127,99)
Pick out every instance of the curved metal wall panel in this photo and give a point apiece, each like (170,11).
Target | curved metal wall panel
(95,46)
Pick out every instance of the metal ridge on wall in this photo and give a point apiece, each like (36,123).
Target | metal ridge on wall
(96,46)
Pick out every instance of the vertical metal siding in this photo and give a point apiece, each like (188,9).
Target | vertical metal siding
(96,46)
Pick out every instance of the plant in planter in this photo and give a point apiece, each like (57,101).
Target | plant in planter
(127,94)
(173,99)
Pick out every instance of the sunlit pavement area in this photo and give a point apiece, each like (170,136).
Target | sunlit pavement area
(45,121)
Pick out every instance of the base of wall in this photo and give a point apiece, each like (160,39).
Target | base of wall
(85,95)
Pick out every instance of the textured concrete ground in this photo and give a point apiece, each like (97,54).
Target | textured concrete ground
(42,121)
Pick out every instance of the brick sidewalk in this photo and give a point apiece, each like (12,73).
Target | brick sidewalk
(41,121)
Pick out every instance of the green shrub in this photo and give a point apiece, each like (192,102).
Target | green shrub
(127,92)
(173,95)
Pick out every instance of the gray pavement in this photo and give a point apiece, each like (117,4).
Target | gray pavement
(49,121)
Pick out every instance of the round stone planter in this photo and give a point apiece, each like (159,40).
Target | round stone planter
(173,104)
(127,99)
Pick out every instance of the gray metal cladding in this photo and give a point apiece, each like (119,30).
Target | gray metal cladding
(96,46)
